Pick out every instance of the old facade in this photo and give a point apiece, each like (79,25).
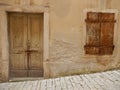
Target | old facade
(47,38)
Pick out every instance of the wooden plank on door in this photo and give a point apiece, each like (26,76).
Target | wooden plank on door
(35,25)
(18,38)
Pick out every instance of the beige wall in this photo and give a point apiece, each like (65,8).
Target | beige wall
(25,2)
(67,36)
(67,27)
(114,4)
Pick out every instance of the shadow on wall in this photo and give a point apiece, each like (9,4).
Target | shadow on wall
(61,7)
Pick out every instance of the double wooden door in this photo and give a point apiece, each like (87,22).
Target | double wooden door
(26,44)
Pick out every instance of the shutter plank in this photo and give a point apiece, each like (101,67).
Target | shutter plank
(107,32)
(93,31)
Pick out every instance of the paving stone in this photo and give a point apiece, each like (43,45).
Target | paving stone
(109,80)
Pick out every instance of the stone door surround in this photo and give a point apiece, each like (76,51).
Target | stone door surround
(4,34)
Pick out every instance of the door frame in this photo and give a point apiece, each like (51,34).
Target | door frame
(4,10)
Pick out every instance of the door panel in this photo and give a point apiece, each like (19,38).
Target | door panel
(18,32)
(35,73)
(18,61)
(35,61)
(18,73)
(18,39)
(35,26)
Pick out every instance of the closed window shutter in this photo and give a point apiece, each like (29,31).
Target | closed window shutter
(93,32)
(107,32)
(100,31)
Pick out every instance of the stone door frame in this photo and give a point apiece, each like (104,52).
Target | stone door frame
(4,60)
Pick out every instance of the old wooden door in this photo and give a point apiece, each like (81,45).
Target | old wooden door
(26,47)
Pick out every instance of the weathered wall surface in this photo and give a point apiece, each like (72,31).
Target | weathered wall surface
(67,26)
(67,22)
(67,40)
(25,2)
(114,4)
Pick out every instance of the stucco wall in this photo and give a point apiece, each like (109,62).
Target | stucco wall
(67,22)
(114,4)
(25,2)
(67,26)
(67,36)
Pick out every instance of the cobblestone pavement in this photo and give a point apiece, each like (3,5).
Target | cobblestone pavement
(109,80)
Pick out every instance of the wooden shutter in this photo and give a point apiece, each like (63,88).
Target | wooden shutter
(107,32)
(100,31)
(93,32)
